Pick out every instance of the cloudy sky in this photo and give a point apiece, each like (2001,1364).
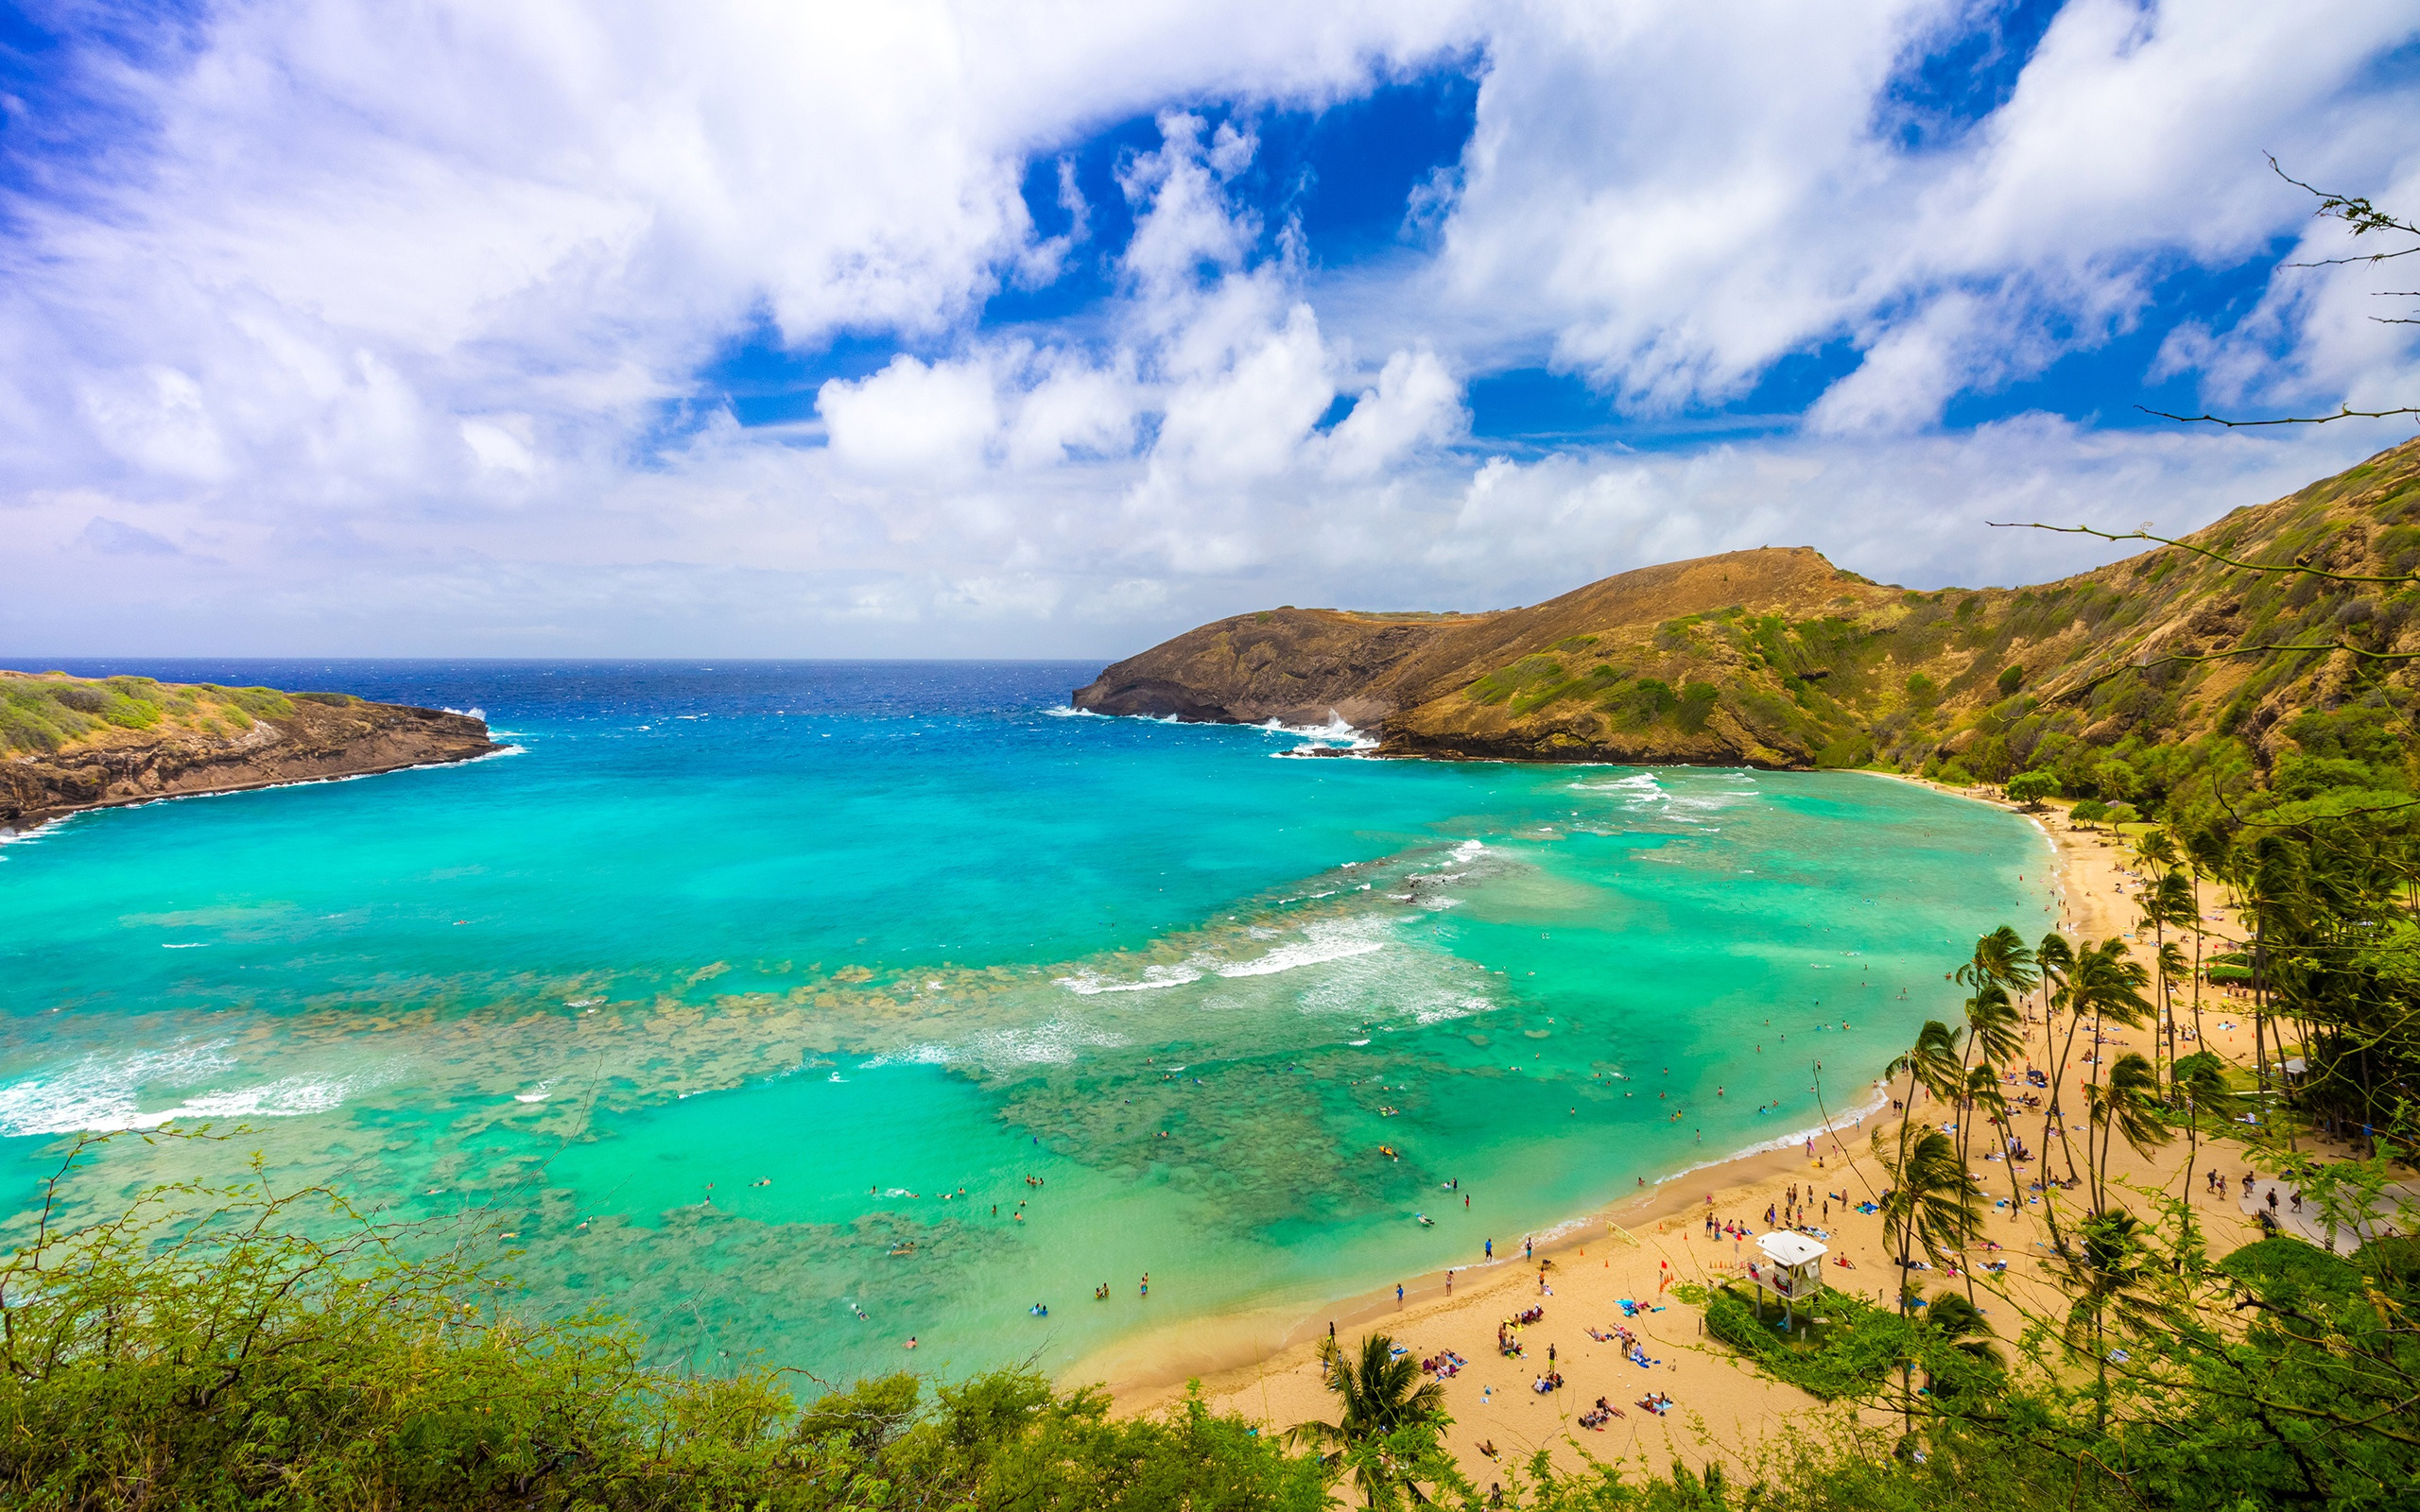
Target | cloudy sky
(1052,328)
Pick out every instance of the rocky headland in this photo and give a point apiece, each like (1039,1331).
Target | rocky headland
(1776,658)
(69,744)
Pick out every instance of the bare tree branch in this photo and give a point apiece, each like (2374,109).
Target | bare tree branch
(2346,412)
(2300,564)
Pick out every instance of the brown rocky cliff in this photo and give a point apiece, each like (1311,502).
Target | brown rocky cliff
(313,739)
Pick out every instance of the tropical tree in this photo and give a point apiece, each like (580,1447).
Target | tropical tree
(2128,1105)
(2001,969)
(2265,884)
(2206,855)
(2106,982)
(2199,1083)
(2109,1276)
(1932,1203)
(1955,1329)
(2167,900)
(1984,1097)
(1994,1032)
(1933,1063)
(1382,1407)
(2060,963)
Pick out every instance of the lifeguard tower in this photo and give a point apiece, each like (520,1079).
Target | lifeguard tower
(1793,1271)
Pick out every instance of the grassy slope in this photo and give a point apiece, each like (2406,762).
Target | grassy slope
(1808,665)
(53,714)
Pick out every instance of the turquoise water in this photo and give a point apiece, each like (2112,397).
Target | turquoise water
(754,1001)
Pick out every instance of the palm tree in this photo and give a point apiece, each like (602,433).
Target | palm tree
(2000,957)
(2167,900)
(2002,965)
(2111,1274)
(2128,1106)
(1931,1063)
(2106,982)
(2206,851)
(1995,1029)
(1932,1202)
(2173,967)
(1984,1095)
(2200,1079)
(1957,1322)
(2264,884)
(1378,1398)
(2058,960)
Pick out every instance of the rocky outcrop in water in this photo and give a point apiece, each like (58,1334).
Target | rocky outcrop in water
(194,744)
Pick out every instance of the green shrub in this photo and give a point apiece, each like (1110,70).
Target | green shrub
(1696,706)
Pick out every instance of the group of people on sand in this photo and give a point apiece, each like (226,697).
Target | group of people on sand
(1551,1381)
(1443,1365)
(1506,1345)
(1599,1416)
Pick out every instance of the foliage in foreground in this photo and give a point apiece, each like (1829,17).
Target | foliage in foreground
(246,1348)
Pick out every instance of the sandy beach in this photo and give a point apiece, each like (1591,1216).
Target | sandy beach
(1265,1365)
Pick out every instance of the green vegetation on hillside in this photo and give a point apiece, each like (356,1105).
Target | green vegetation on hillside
(54,711)
(2124,683)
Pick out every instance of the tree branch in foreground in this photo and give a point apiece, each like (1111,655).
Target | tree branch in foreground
(2300,564)
(2343,413)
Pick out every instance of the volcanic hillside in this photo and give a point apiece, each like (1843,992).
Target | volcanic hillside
(1776,658)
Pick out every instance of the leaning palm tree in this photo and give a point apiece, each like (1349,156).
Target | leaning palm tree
(2110,1277)
(1377,1395)
(2107,983)
(1983,1096)
(2128,1106)
(2167,900)
(1931,1203)
(2201,1081)
(2265,885)
(2173,967)
(2000,957)
(1955,1324)
(1933,1063)
(2205,853)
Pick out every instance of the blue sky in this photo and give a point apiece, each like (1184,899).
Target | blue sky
(818,331)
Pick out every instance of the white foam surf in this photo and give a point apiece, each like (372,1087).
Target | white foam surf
(1090,984)
(1329,940)
(103,1093)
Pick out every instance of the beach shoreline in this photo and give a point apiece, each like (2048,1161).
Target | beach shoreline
(1263,1362)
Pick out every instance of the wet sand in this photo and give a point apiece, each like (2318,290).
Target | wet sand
(1264,1364)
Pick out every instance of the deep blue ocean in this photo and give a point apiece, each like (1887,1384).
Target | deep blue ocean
(796,1008)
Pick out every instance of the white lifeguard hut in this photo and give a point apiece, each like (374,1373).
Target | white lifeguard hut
(1793,1271)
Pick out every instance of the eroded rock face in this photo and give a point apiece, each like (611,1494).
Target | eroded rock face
(315,740)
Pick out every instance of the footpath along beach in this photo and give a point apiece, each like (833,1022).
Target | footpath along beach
(1720,1410)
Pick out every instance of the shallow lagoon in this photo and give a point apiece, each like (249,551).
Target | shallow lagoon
(717,994)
